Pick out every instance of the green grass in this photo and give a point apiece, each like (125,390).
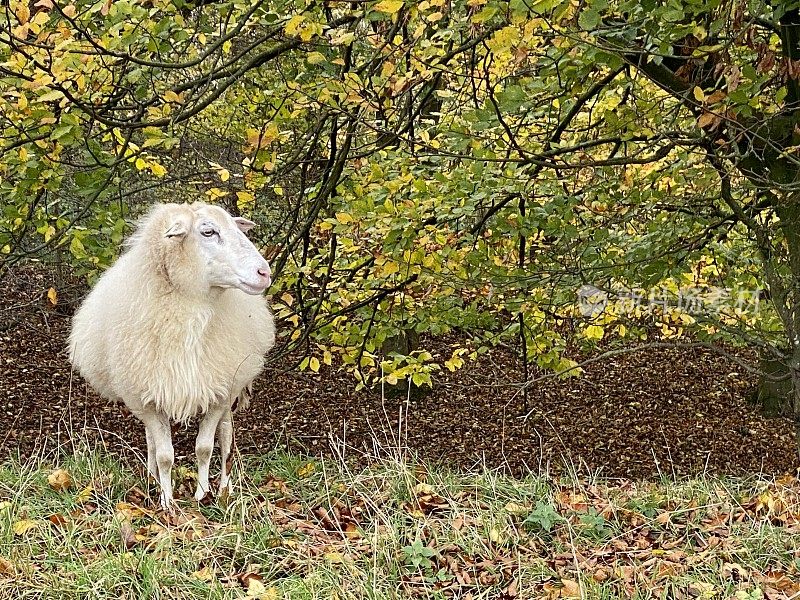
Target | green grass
(305,529)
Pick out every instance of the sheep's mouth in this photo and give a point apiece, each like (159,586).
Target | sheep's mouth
(251,289)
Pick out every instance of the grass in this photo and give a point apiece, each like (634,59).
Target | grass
(305,529)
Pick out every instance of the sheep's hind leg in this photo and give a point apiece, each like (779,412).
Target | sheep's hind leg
(204,447)
(225,438)
(152,466)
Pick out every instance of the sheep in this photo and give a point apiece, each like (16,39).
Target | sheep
(177,327)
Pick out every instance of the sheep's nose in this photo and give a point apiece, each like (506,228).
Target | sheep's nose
(265,272)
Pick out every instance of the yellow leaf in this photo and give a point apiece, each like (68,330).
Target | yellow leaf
(388,6)
(306,470)
(344,218)
(309,30)
(334,557)
(127,510)
(517,509)
(314,364)
(424,489)
(244,197)
(23,13)
(292,27)
(157,169)
(594,332)
(49,97)
(60,480)
(171,96)
(23,526)
(140,163)
(84,495)
(204,574)
(224,174)
(215,193)
(287,298)
(256,589)
(699,95)
(52,296)
(390,268)
(315,58)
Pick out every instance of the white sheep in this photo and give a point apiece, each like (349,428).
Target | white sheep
(178,327)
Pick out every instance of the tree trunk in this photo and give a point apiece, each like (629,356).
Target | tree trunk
(775,398)
(405,342)
(796,405)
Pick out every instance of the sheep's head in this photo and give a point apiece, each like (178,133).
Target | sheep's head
(229,259)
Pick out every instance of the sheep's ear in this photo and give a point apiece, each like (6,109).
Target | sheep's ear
(178,229)
(243,224)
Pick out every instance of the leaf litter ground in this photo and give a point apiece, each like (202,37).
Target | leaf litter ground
(653,413)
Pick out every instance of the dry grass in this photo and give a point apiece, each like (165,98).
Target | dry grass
(306,529)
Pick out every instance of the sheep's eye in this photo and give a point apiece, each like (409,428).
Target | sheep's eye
(208,233)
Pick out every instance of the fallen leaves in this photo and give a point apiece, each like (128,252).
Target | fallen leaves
(257,590)
(84,495)
(23,526)
(426,501)
(205,574)
(60,480)
(6,568)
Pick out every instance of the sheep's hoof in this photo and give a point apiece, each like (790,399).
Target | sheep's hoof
(203,498)
(167,504)
(225,493)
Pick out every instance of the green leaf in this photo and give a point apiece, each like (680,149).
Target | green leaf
(51,96)
(77,248)
(589,19)
(60,131)
(484,15)
(541,7)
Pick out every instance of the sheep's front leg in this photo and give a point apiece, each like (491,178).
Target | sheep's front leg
(204,447)
(160,454)
(225,438)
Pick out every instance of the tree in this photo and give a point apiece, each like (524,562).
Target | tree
(432,165)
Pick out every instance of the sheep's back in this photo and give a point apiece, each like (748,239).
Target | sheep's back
(92,329)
